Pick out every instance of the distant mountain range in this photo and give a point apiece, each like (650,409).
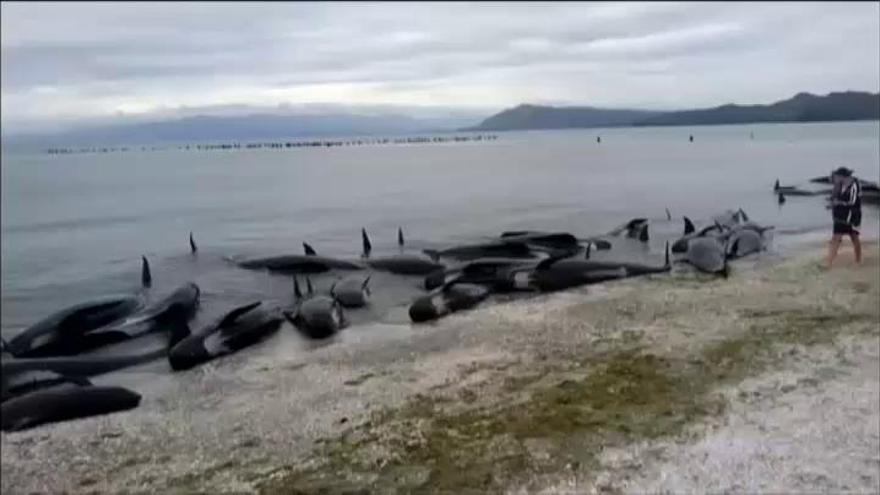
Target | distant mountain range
(803,107)
(195,129)
(253,124)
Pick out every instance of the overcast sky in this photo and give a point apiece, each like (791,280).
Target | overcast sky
(72,61)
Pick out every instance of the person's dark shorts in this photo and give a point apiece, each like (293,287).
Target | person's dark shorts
(844,229)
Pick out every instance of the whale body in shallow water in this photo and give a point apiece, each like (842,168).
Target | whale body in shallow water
(480,271)
(175,309)
(74,321)
(71,323)
(62,404)
(352,292)
(724,223)
(507,249)
(564,273)
(707,254)
(240,328)
(297,263)
(400,264)
(317,316)
(448,299)
(16,384)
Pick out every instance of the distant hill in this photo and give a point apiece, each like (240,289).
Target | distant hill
(242,128)
(803,107)
(545,117)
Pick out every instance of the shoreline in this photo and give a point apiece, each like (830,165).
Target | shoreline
(558,392)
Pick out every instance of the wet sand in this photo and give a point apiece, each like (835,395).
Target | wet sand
(765,381)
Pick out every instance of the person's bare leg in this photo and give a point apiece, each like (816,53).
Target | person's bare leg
(857,247)
(832,250)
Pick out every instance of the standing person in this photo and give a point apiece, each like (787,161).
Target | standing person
(846,212)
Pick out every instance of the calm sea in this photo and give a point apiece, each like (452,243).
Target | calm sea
(75,226)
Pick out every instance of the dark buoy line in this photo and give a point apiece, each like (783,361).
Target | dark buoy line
(291,144)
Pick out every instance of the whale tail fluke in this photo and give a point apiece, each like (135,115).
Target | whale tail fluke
(688,226)
(192,244)
(309,250)
(365,241)
(297,292)
(146,276)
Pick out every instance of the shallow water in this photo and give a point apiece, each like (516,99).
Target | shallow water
(74,226)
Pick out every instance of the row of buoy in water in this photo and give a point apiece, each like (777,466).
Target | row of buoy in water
(286,144)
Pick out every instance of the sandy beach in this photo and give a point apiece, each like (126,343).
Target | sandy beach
(767,381)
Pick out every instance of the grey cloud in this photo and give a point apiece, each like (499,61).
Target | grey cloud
(91,60)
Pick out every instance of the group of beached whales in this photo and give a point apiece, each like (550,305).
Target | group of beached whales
(46,379)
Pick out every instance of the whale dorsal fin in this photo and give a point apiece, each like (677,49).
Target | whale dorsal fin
(192,244)
(667,263)
(309,250)
(235,313)
(743,216)
(587,250)
(365,241)
(400,236)
(776,185)
(688,226)
(668,215)
(146,276)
